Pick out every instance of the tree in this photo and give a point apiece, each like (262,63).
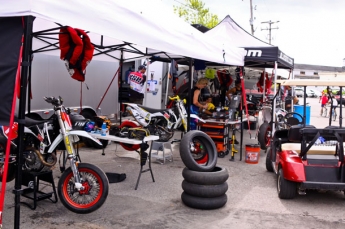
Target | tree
(194,12)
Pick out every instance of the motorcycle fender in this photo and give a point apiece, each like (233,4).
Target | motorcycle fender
(197,117)
(81,133)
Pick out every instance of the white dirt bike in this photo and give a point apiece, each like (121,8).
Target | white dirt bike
(83,187)
(160,122)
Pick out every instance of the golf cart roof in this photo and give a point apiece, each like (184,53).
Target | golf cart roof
(298,82)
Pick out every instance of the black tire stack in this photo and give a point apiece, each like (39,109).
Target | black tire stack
(204,185)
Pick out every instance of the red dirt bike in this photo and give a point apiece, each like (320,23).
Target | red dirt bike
(83,187)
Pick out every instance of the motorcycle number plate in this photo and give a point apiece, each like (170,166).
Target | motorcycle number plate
(40,137)
(166,115)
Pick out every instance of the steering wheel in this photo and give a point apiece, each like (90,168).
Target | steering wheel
(290,120)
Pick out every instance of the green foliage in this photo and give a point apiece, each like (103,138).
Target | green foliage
(194,12)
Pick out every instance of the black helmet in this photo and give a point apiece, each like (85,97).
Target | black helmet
(142,67)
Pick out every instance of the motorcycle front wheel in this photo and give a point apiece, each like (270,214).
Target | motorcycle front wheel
(94,194)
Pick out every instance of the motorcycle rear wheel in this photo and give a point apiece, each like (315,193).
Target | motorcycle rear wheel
(96,190)
(264,136)
(126,146)
(11,171)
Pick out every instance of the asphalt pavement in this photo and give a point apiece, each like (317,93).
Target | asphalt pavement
(252,197)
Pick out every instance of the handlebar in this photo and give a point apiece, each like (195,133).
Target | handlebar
(174,98)
(54,101)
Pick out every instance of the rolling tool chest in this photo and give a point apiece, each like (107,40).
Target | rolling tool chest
(219,131)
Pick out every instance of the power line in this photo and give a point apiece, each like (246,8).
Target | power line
(269,29)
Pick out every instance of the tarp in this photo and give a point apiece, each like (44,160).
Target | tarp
(259,53)
(11,31)
(122,28)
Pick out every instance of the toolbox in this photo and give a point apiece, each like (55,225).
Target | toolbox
(219,133)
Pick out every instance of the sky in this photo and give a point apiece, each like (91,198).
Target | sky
(310,31)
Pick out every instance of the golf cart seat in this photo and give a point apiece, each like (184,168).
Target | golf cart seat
(295,134)
(314,150)
(280,137)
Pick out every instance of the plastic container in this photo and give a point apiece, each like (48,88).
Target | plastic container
(252,153)
(299,110)
(104,129)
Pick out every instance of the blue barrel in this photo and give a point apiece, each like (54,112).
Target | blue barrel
(299,110)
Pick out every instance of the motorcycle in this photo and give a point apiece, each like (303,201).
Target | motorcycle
(160,122)
(83,187)
(265,131)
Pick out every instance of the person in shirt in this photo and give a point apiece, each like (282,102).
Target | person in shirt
(324,101)
(334,104)
(197,103)
(136,82)
(235,90)
(290,98)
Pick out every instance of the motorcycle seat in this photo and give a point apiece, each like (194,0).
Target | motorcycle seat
(152,110)
(32,122)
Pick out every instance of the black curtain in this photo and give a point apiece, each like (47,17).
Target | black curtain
(11,31)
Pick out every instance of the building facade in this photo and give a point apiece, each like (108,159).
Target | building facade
(306,71)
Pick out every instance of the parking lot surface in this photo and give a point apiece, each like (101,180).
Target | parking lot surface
(252,197)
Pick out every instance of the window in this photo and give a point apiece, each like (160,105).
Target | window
(316,73)
(302,72)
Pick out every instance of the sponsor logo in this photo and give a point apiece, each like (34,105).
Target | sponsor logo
(79,124)
(254,53)
(285,58)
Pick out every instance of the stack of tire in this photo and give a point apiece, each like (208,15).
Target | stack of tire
(205,184)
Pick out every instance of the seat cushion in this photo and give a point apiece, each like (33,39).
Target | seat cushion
(314,150)
(294,132)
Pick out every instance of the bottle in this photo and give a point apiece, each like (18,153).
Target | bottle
(219,109)
(104,129)
(230,115)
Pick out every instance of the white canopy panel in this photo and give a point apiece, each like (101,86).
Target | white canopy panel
(301,82)
(120,25)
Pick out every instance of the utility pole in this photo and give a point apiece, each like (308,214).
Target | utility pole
(251,17)
(269,29)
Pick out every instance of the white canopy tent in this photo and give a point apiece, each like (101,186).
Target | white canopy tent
(122,34)
(259,53)
(138,34)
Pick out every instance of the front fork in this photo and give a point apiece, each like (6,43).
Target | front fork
(73,162)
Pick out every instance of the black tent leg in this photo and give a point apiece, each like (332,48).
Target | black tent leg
(190,97)
(28,24)
(120,88)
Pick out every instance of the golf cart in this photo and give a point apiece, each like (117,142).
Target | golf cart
(305,157)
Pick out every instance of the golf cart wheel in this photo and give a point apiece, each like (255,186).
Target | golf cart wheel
(204,203)
(218,175)
(198,151)
(269,166)
(264,135)
(286,189)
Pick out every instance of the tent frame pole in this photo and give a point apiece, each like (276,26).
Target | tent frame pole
(26,59)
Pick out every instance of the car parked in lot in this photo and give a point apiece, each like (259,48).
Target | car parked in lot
(316,92)
(299,92)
